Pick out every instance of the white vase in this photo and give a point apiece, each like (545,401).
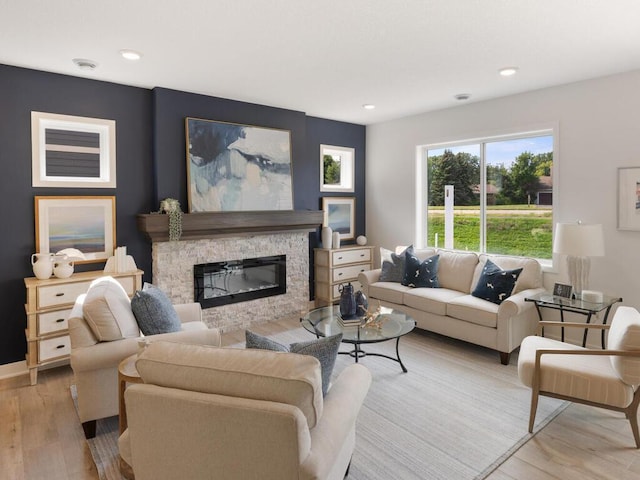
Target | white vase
(62,267)
(335,240)
(42,265)
(325,236)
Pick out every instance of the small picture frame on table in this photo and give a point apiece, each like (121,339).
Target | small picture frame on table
(562,290)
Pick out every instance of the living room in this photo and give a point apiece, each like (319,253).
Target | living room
(596,119)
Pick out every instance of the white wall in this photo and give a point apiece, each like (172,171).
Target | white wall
(599,131)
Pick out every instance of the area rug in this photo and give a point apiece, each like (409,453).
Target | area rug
(458,413)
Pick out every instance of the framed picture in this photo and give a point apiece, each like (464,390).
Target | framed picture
(629,198)
(85,223)
(337,169)
(562,290)
(233,167)
(70,152)
(340,215)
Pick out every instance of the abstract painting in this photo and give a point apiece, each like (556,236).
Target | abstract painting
(85,223)
(233,167)
(340,214)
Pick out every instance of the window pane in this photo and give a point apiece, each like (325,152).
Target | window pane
(459,168)
(519,197)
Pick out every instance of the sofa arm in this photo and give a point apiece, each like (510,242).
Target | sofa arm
(189,312)
(368,277)
(516,304)
(340,411)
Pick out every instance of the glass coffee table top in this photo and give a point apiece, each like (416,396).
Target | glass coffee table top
(393,324)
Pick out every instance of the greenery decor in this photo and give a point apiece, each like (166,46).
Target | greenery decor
(171,207)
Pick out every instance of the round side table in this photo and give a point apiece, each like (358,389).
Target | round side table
(127,373)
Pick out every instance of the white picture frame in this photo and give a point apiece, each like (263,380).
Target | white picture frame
(629,198)
(72,152)
(337,169)
(340,215)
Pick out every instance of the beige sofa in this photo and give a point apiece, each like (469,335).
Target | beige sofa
(241,414)
(452,311)
(95,363)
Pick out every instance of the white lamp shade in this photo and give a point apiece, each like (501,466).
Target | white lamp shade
(579,239)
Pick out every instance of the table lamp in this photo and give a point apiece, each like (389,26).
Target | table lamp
(579,241)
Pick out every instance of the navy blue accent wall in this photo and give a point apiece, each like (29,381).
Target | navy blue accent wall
(151,165)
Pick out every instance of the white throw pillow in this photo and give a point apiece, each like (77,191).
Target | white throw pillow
(107,311)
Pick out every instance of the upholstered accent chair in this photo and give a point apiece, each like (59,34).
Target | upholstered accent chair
(106,334)
(608,378)
(231,413)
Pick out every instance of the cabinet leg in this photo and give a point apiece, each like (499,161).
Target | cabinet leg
(33,376)
(89,428)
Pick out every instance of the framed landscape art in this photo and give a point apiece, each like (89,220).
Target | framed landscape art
(234,167)
(340,215)
(629,198)
(85,223)
(337,169)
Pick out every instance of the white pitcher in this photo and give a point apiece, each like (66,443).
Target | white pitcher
(42,265)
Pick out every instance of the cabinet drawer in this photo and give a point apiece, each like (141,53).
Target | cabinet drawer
(336,294)
(54,348)
(54,295)
(345,274)
(53,321)
(351,256)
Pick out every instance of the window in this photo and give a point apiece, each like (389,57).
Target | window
(492,195)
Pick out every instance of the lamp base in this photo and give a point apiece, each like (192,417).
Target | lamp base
(578,268)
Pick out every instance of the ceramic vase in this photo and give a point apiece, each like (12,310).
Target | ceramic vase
(42,265)
(362,303)
(62,267)
(347,301)
(325,236)
(335,240)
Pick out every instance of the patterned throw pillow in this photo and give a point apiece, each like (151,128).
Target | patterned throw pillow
(154,311)
(324,349)
(420,274)
(495,284)
(393,265)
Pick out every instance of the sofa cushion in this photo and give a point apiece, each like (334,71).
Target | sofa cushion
(107,311)
(392,266)
(154,311)
(473,310)
(495,285)
(388,292)
(324,349)
(247,373)
(419,273)
(432,300)
(624,334)
(455,270)
(531,276)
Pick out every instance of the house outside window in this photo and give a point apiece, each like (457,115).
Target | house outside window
(491,195)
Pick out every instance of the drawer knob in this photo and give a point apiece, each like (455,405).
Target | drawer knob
(60,320)
(340,258)
(362,254)
(340,274)
(60,346)
(60,294)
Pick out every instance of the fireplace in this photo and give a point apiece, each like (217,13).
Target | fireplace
(233,281)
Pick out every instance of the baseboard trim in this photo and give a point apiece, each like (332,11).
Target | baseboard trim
(15,369)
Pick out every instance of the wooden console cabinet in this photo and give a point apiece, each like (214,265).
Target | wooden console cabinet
(336,266)
(49,303)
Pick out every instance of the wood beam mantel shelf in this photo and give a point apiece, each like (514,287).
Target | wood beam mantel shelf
(201,225)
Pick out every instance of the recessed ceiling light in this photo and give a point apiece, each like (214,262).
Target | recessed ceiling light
(85,63)
(462,96)
(368,106)
(508,71)
(130,54)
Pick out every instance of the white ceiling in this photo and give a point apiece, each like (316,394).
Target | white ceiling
(329,57)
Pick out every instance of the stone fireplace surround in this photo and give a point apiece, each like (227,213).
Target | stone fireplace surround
(216,237)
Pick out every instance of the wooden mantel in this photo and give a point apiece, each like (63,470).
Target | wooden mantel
(197,226)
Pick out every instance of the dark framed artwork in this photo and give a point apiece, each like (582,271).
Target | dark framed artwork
(233,167)
(85,223)
(562,290)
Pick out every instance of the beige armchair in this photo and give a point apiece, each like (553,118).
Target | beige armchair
(241,414)
(607,378)
(95,363)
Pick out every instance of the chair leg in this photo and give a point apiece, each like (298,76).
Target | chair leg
(89,429)
(505,357)
(346,474)
(534,407)
(632,415)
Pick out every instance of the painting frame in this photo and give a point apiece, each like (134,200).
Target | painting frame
(72,152)
(628,198)
(345,157)
(234,167)
(88,223)
(339,213)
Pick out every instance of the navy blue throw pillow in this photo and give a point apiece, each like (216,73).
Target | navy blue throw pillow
(420,274)
(495,284)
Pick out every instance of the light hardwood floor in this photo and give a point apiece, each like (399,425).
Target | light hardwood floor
(41,436)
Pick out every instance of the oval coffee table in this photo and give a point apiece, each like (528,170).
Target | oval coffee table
(324,322)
